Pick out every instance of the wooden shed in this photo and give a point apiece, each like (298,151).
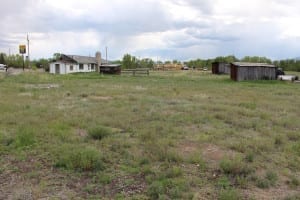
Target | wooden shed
(220,68)
(110,69)
(241,71)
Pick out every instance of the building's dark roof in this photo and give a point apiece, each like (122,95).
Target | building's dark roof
(110,65)
(83,59)
(247,64)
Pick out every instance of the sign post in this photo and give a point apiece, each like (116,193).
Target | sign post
(22,50)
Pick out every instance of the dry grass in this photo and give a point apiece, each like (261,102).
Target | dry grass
(173,135)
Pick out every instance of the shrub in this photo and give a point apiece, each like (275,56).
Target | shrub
(156,189)
(223,183)
(263,183)
(235,167)
(272,177)
(278,141)
(249,157)
(87,159)
(295,182)
(174,172)
(99,132)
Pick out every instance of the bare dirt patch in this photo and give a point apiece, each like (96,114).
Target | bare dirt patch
(213,154)
(127,185)
(82,133)
(188,147)
(270,194)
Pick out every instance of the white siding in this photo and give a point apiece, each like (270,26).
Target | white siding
(62,67)
(65,68)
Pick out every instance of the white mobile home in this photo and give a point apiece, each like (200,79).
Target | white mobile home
(67,64)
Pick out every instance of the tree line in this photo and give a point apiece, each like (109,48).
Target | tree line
(129,61)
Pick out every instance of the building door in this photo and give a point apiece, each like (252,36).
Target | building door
(57,68)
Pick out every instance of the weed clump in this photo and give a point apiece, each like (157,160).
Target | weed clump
(99,132)
(268,181)
(87,159)
(24,138)
(235,167)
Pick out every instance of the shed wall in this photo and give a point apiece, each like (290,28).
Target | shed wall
(255,73)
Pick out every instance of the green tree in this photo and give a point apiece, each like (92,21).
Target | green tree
(14,61)
(2,58)
(129,61)
(146,63)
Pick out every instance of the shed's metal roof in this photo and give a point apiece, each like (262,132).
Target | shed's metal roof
(110,65)
(83,59)
(247,64)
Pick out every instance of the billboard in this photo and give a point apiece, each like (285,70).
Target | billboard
(22,49)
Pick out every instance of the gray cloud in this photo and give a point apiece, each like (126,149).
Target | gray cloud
(172,28)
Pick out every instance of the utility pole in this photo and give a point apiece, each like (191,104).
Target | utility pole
(28,51)
(106,54)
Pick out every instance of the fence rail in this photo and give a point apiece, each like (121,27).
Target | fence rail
(135,72)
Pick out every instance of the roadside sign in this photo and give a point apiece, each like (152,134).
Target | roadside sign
(22,49)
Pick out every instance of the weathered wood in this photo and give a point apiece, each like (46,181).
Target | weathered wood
(137,71)
(252,71)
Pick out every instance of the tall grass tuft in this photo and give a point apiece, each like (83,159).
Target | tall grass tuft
(81,159)
(99,132)
(25,137)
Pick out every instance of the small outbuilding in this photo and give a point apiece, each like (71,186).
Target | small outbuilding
(241,71)
(220,68)
(110,69)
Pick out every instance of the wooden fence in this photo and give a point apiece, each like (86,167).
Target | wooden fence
(136,72)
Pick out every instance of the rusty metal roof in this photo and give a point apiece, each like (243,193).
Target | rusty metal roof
(248,64)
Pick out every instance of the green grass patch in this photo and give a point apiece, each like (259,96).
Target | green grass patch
(235,167)
(99,132)
(185,132)
(80,158)
(25,137)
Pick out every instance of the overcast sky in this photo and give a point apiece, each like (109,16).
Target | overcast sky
(159,29)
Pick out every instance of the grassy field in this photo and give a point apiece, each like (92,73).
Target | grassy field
(171,135)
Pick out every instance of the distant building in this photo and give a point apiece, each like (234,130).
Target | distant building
(67,64)
(220,68)
(110,69)
(241,71)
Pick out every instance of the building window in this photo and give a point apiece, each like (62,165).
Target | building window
(80,66)
(71,68)
(93,66)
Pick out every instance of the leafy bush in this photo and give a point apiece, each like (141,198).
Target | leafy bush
(99,132)
(88,159)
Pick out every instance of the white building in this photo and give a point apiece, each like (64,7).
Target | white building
(67,64)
